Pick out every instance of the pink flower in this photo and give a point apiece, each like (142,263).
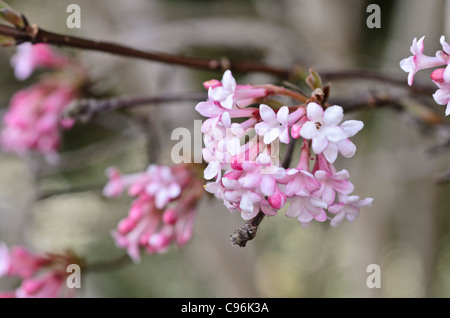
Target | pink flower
(331,181)
(29,57)
(163,211)
(347,207)
(418,61)
(33,122)
(326,134)
(49,285)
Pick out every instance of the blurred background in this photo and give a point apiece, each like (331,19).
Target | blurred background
(406,231)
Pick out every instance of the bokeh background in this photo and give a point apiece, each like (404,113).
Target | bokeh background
(406,231)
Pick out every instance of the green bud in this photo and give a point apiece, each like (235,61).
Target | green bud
(9,15)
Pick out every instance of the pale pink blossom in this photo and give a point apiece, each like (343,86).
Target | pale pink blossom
(229,95)
(419,61)
(29,57)
(347,208)
(43,276)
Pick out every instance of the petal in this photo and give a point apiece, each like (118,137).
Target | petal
(328,195)
(314,112)
(267,114)
(228,102)
(268,184)
(352,127)
(346,148)
(212,170)
(308,130)
(333,115)
(284,136)
(228,81)
(334,133)
(283,115)
(331,152)
(271,135)
(261,128)
(337,219)
(319,143)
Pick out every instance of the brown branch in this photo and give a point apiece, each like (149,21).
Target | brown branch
(34,34)
(86,109)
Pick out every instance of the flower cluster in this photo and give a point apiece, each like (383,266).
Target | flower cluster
(163,211)
(34,119)
(440,76)
(249,178)
(43,276)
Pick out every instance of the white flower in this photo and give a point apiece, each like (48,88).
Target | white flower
(327,137)
(274,125)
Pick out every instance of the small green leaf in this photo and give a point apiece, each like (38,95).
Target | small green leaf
(314,80)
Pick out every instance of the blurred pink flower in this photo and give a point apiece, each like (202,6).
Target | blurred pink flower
(163,211)
(29,57)
(43,276)
(33,121)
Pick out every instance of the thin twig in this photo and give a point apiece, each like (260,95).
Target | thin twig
(86,109)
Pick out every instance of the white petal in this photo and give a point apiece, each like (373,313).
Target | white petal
(212,170)
(271,135)
(346,148)
(282,115)
(308,130)
(267,114)
(334,133)
(314,112)
(331,152)
(352,127)
(319,143)
(228,81)
(333,115)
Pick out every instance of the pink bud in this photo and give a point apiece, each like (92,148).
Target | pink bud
(170,217)
(212,83)
(278,199)
(438,75)
(125,226)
